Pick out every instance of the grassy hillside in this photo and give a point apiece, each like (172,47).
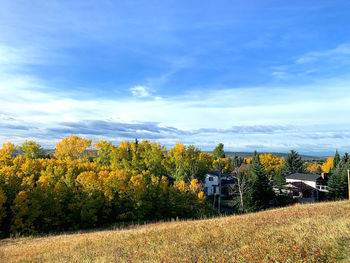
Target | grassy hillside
(302,233)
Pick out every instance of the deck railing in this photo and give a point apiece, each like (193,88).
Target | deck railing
(322,188)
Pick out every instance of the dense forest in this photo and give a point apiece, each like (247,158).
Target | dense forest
(78,188)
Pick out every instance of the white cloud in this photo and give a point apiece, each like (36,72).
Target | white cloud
(205,118)
(339,52)
(140,91)
(280,74)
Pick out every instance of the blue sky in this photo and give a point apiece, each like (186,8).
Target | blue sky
(265,75)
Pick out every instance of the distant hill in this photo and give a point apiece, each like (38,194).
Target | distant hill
(302,233)
(250,154)
(228,154)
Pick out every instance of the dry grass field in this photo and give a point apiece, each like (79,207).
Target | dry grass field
(302,233)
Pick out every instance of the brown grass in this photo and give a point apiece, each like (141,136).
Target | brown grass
(302,233)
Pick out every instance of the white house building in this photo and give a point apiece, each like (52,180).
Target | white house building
(212,183)
(307,187)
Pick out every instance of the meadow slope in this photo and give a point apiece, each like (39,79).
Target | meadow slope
(302,233)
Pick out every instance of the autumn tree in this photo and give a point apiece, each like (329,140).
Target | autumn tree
(314,167)
(327,165)
(31,150)
(71,148)
(130,182)
(272,164)
(226,165)
(26,211)
(6,154)
(105,150)
(90,198)
(187,163)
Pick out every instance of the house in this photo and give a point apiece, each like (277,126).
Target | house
(307,187)
(212,183)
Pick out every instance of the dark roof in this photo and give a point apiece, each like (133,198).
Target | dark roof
(216,173)
(227,182)
(304,177)
(301,186)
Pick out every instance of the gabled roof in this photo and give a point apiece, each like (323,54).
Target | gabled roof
(304,177)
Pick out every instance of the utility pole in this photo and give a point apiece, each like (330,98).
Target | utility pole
(349,183)
(219,201)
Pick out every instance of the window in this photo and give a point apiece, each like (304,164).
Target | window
(211,178)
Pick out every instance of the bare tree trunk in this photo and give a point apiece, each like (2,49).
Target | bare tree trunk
(239,189)
(214,200)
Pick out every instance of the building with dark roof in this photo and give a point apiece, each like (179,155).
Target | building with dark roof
(307,187)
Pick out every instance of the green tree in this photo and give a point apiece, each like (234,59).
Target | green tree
(346,158)
(280,182)
(260,192)
(293,164)
(31,150)
(3,200)
(105,150)
(338,184)
(336,160)
(219,151)
(237,161)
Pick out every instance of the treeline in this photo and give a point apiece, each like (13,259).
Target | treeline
(74,190)
(78,188)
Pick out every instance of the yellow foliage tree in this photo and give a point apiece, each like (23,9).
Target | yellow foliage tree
(31,150)
(326,167)
(105,150)
(314,167)
(71,148)
(6,153)
(25,213)
(272,164)
(194,186)
(226,165)
(182,186)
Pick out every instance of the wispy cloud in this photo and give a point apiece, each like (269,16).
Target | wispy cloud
(175,73)
(315,65)
(140,91)
(340,53)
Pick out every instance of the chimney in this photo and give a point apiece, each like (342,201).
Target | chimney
(324,176)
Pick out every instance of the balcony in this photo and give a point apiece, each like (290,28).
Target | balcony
(322,188)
